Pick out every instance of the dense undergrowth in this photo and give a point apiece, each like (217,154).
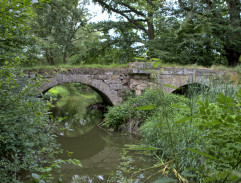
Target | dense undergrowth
(27,133)
(197,136)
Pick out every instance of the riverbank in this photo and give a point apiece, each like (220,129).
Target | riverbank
(182,131)
(100,151)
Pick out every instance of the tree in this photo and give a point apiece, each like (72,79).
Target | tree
(118,47)
(27,139)
(139,14)
(140,19)
(203,32)
(57,24)
(14,21)
(189,41)
(225,20)
(25,131)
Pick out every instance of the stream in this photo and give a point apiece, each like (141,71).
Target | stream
(98,150)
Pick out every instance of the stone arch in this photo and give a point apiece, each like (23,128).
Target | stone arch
(110,97)
(183,90)
(198,82)
(179,82)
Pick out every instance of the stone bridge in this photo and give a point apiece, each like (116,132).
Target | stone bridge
(112,83)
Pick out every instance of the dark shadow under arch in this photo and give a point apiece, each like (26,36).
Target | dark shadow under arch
(106,100)
(190,88)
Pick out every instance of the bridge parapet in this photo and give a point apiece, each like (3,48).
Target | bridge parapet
(112,83)
(174,77)
(109,83)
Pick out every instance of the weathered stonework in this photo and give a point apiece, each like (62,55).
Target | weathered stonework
(112,83)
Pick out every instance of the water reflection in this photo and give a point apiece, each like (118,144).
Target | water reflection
(99,152)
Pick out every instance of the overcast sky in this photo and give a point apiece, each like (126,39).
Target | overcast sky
(96,10)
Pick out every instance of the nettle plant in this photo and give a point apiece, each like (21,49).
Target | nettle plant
(220,124)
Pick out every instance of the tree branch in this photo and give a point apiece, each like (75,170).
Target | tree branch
(133,10)
(107,6)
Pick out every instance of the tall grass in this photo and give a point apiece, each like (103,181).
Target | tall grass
(170,128)
(208,89)
(236,69)
(63,67)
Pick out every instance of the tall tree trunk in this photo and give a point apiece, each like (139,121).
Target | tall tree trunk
(64,57)
(151,31)
(232,56)
(49,56)
(151,35)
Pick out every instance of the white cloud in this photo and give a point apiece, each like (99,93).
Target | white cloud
(98,15)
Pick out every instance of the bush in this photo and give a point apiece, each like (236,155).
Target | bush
(26,132)
(207,123)
(121,113)
(163,131)
(220,124)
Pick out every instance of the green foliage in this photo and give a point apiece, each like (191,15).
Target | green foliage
(145,172)
(26,136)
(184,32)
(57,92)
(201,140)
(120,114)
(158,113)
(162,131)
(57,26)
(109,48)
(220,124)
(218,26)
(76,118)
(14,21)
(45,173)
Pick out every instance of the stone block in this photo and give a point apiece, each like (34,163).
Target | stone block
(95,72)
(86,79)
(114,77)
(142,87)
(109,73)
(135,82)
(125,81)
(115,86)
(103,77)
(102,86)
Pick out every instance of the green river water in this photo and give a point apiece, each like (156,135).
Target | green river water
(98,150)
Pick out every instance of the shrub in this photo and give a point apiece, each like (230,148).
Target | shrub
(26,132)
(220,124)
(171,138)
(121,113)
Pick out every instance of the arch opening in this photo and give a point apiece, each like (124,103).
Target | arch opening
(190,89)
(79,107)
(105,99)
